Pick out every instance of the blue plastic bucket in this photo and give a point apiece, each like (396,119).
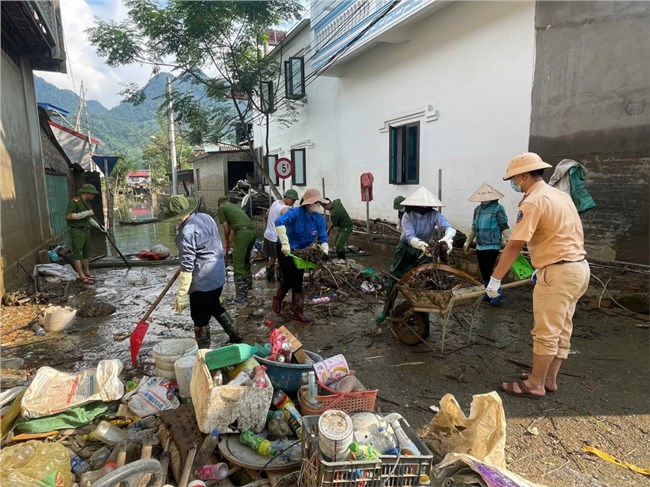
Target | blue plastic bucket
(287,376)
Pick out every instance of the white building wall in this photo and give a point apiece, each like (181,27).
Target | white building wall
(472,62)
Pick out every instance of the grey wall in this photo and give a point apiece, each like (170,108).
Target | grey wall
(591,103)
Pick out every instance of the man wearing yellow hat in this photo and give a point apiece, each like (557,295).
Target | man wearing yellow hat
(489,228)
(549,223)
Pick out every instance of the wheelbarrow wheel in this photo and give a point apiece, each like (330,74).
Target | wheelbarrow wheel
(408,326)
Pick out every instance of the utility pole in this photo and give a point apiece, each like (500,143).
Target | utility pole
(172,137)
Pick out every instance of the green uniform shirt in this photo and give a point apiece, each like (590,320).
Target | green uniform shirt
(339,216)
(76,205)
(235,216)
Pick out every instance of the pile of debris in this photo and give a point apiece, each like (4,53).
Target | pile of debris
(245,193)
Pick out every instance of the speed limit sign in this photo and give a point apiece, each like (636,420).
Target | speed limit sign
(283,168)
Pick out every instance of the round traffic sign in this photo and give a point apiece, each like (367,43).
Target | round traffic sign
(283,168)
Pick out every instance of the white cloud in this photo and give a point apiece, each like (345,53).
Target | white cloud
(102,82)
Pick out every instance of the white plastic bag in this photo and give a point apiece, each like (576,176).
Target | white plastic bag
(57,318)
(52,391)
(152,396)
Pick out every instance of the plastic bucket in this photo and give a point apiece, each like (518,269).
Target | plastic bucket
(183,368)
(169,351)
(286,376)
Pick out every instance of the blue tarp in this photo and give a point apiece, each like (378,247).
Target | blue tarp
(99,160)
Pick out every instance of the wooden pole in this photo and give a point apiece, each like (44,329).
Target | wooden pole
(172,137)
(440,184)
(368,211)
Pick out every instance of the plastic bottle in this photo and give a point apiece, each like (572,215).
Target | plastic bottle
(23,455)
(144,423)
(406,445)
(139,435)
(278,427)
(291,414)
(362,452)
(107,433)
(313,388)
(89,478)
(242,379)
(257,443)
(207,448)
(383,441)
(218,471)
(78,465)
(38,330)
(259,379)
(291,449)
(98,459)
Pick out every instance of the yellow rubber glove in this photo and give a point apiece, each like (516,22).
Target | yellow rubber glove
(468,242)
(182,295)
(284,239)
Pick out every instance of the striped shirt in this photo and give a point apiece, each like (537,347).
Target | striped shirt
(489,221)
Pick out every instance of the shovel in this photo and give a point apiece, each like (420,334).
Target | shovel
(137,337)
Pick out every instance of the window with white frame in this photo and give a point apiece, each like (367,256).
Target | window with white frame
(299,159)
(269,167)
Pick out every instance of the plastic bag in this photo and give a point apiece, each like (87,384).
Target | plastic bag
(482,434)
(35,463)
(52,391)
(458,469)
(153,396)
(57,318)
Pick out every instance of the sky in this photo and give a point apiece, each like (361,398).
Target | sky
(102,82)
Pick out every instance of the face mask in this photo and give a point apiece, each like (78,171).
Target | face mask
(314,208)
(515,187)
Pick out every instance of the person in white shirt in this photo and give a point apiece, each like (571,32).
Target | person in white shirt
(277,209)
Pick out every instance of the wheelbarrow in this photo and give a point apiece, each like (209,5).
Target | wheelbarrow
(409,319)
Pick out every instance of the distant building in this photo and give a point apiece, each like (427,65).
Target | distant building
(138,177)
(32,39)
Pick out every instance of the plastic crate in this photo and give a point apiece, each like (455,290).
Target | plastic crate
(318,472)
(396,471)
(350,402)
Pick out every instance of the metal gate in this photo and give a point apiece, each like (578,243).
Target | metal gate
(57,202)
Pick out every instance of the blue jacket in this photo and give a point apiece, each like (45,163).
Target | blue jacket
(422,226)
(201,252)
(303,227)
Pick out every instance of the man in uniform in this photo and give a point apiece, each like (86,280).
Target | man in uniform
(277,209)
(340,220)
(549,223)
(239,233)
(79,219)
(203,271)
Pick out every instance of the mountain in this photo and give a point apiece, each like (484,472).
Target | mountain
(125,127)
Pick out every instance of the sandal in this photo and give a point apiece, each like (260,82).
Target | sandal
(526,375)
(87,281)
(525,392)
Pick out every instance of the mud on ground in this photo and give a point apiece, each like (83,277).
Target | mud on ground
(603,398)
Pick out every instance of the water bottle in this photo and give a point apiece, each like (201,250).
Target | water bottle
(139,436)
(89,478)
(291,414)
(98,459)
(38,330)
(23,455)
(384,442)
(218,471)
(291,449)
(304,385)
(107,433)
(78,465)
(257,443)
(313,388)
(207,447)
(242,379)
(145,423)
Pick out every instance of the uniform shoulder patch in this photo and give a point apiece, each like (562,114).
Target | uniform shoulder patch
(520,215)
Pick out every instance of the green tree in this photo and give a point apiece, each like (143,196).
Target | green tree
(225,36)
(118,176)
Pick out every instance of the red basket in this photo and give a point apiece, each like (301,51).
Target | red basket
(350,402)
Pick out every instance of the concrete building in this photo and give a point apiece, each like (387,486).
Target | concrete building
(443,94)
(32,39)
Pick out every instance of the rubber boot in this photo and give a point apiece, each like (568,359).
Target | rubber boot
(270,273)
(202,336)
(340,254)
(228,325)
(278,298)
(249,282)
(297,307)
(241,291)
(278,274)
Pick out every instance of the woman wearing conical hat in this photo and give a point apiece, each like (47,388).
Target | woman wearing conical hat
(490,228)
(419,223)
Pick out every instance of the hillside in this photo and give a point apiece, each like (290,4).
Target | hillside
(125,127)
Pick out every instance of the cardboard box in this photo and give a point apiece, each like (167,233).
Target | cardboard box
(298,352)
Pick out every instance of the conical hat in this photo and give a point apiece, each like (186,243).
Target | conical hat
(422,197)
(485,193)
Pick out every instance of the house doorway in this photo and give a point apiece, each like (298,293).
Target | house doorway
(237,170)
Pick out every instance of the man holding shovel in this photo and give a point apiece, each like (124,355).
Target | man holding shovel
(78,216)
(203,271)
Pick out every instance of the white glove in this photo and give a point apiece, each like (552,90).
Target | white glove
(505,236)
(284,240)
(325,248)
(94,223)
(493,289)
(81,215)
(533,278)
(468,242)
(182,296)
(448,238)
(416,243)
